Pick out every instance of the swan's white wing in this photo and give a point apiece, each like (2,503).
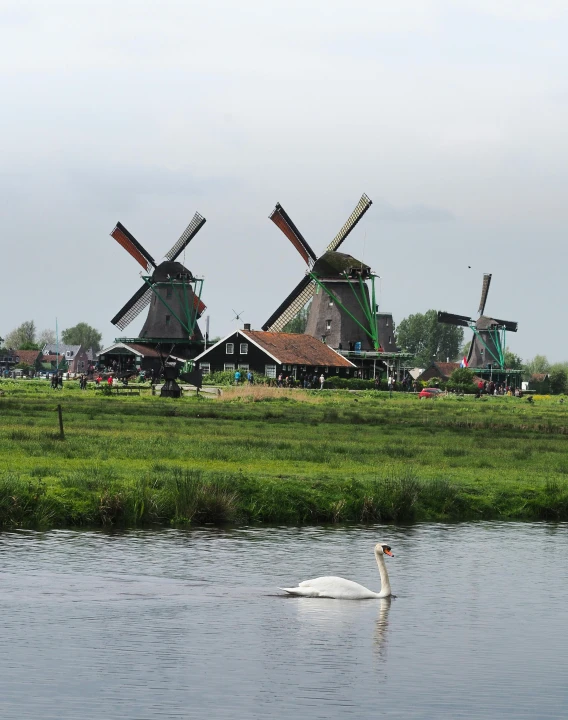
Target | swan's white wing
(332,587)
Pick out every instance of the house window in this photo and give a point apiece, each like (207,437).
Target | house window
(326,370)
(244,348)
(168,318)
(244,366)
(337,371)
(347,371)
(328,325)
(270,371)
(389,339)
(229,366)
(331,303)
(230,348)
(205,367)
(168,292)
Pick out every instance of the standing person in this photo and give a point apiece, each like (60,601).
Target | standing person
(377,382)
(280,380)
(237,377)
(322,380)
(250,378)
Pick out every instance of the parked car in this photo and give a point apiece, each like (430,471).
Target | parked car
(429,393)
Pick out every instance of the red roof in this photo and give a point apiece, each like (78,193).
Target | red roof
(295,349)
(29,357)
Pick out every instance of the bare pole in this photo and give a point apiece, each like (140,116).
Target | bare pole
(61,432)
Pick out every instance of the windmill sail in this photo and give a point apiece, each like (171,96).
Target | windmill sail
(484,291)
(283,221)
(197,222)
(301,294)
(509,325)
(360,209)
(132,246)
(133,307)
(452,319)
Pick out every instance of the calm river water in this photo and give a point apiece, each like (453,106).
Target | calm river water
(174,624)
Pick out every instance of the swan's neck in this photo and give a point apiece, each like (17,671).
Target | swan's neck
(385,582)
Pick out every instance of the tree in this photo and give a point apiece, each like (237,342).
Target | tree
(539,364)
(462,379)
(428,340)
(22,337)
(46,337)
(298,323)
(82,334)
(558,379)
(512,361)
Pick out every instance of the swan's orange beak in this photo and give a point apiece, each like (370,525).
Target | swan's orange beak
(388,552)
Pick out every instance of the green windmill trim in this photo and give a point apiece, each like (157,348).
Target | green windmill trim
(481,340)
(319,283)
(187,326)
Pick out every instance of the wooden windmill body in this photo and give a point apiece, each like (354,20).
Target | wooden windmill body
(487,348)
(343,312)
(169,290)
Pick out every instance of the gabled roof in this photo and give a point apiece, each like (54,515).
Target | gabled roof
(142,350)
(289,348)
(28,357)
(53,348)
(136,349)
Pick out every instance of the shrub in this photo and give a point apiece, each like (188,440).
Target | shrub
(338,383)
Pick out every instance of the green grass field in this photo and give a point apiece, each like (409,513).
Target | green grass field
(276,456)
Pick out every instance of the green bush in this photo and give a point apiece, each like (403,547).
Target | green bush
(338,383)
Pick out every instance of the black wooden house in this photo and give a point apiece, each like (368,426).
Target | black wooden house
(272,353)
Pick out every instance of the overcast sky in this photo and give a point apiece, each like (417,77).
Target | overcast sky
(451,116)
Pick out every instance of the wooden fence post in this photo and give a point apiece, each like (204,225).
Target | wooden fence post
(60,413)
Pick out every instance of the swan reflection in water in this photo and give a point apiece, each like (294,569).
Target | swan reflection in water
(381,627)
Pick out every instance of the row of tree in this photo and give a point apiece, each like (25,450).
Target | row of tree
(26,337)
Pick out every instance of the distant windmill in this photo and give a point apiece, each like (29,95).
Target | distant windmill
(342,312)
(173,293)
(488,344)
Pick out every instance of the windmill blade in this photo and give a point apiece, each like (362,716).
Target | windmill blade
(133,307)
(484,291)
(281,219)
(132,246)
(295,301)
(451,319)
(197,222)
(509,325)
(361,208)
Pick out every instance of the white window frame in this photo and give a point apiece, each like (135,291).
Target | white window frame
(229,348)
(244,366)
(328,324)
(270,371)
(229,367)
(205,368)
(243,349)
(337,370)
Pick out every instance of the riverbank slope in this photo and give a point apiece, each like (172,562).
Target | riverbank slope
(276,456)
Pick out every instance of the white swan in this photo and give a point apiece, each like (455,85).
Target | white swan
(341,589)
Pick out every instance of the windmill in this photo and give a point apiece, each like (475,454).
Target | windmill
(487,348)
(341,314)
(169,288)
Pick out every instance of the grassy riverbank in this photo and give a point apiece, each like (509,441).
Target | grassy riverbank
(276,456)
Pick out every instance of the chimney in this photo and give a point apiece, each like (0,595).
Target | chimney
(246,326)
